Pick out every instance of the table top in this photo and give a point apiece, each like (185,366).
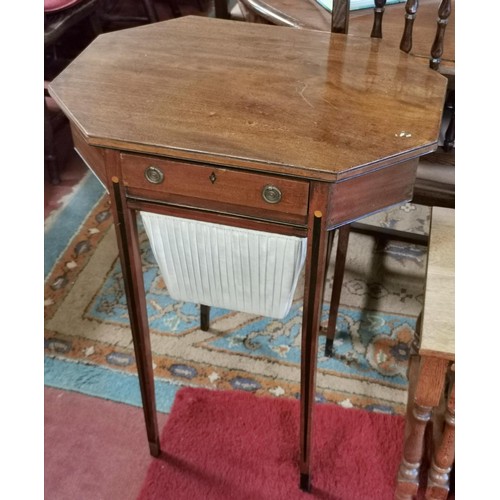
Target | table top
(296,102)
(308,14)
(438,323)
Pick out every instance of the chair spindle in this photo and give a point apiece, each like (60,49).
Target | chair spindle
(442,21)
(377,18)
(411,8)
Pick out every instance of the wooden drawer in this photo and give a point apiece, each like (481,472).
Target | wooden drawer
(217,188)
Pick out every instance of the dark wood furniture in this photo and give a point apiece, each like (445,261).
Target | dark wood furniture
(108,14)
(432,371)
(337,125)
(56,24)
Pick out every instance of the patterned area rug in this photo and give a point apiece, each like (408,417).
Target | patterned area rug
(88,344)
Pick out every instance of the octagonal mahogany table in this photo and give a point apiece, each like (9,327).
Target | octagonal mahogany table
(197,117)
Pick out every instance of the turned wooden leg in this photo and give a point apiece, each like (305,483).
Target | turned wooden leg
(204,317)
(438,484)
(338,278)
(409,470)
(430,384)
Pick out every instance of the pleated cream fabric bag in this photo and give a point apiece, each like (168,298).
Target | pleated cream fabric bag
(222,266)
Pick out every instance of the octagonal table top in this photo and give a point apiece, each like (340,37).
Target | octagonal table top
(297,102)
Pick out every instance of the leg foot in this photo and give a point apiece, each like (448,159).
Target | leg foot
(305,482)
(338,278)
(329,348)
(314,282)
(154,449)
(204,317)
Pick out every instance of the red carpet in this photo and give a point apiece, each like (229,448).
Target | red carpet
(234,445)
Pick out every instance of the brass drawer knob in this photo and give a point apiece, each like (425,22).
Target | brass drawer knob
(154,175)
(271,194)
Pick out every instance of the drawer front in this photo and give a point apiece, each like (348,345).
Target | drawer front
(207,186)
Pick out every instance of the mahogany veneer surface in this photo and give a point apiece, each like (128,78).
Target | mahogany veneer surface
(296,102)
